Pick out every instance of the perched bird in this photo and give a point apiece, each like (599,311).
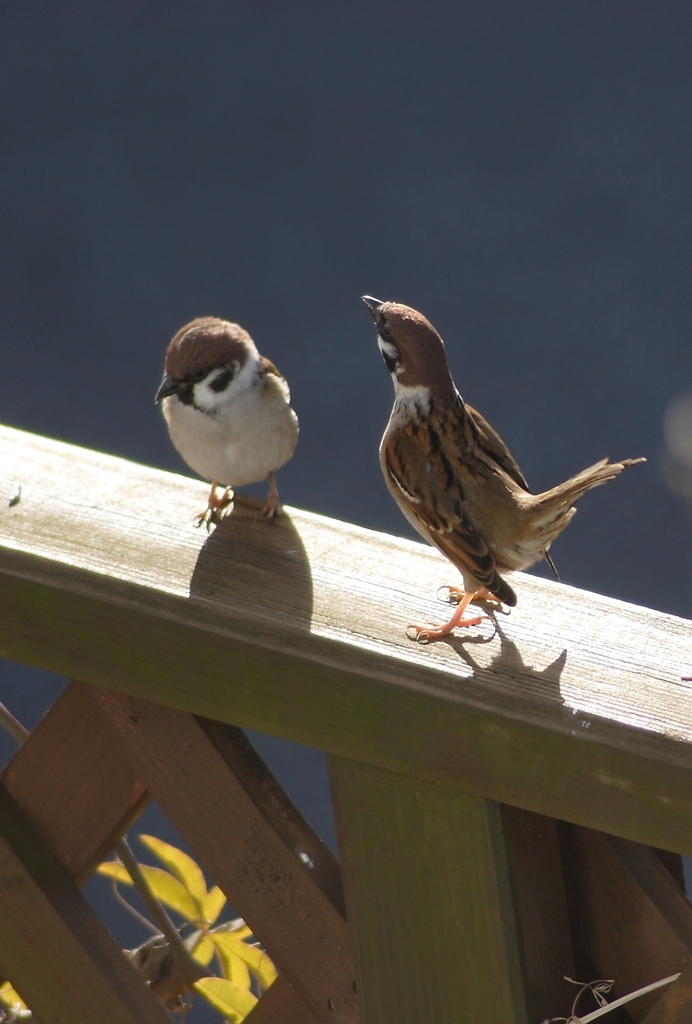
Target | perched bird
(454,478)
(227,410)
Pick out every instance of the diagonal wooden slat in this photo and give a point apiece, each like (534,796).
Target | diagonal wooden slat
(281,1004)
(281,813)
(74,784)
(55,950)
(633,920)
(266,882)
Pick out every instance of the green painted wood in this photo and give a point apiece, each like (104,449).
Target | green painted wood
(428,900)
(574,707)
(53,948)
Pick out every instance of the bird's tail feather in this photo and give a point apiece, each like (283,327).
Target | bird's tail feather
(564,495)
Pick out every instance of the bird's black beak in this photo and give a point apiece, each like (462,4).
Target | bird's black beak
(169,386)
(373,306)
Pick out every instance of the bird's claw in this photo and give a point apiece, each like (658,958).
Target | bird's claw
(455,595)
(426,634)
(268,513)
(216,510)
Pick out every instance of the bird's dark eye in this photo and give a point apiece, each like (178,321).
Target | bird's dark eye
(199,375)
(386,331)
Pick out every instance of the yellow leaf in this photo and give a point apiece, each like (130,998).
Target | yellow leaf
(256,959)
(237,927)
(114,869)
(234,968)
(12,999)
(212,904)
(185,869)
(227,997)
(201,947)
(164,886)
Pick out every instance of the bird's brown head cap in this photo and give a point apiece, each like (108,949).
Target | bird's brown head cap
(205,343)
(411,347)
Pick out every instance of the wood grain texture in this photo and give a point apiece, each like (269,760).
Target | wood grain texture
(281,813)
(58,954)
(573,706)
(428,899)
(262,877)
(281,1004)
(74,784)
(633,921)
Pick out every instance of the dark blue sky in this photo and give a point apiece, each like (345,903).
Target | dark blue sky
(518,170)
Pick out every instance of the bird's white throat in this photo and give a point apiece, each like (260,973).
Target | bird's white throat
(410,400)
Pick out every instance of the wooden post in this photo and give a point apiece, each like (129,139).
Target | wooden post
(428,900)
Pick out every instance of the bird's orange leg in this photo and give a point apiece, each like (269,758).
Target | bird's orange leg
(457,594)
(216,507)
(424,634)
(270,509)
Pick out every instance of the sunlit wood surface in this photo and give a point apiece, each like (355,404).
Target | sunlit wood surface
(573,705)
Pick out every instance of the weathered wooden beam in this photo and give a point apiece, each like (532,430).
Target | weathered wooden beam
(634,922)
(266,881)
(573,706)
(428,898)
(74,784)
(60,957)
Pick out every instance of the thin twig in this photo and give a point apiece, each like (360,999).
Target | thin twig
(190,968)
(13,725)
(628,998)
(131,910)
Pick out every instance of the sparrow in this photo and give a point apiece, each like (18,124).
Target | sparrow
(228,412)
(453,476)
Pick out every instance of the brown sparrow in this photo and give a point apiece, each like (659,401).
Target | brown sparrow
(454,478)
(227,410)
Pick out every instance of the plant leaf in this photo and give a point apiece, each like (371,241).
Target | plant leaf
(212,904)
(201,947)
(12,999)
(234,968)
(164,886)
(227,997)
(237,927)
(256,959)
(185,869)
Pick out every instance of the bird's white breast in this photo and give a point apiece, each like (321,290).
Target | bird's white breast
(247,435)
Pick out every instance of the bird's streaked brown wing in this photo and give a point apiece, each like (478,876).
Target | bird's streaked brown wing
(426,487)
(491,442)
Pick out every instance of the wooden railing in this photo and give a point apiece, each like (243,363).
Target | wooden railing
(498,796)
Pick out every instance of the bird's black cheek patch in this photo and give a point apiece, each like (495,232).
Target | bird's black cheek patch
(390,362)
(221,382)
(186,396)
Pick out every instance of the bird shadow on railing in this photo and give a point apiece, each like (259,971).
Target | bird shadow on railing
(229,572)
